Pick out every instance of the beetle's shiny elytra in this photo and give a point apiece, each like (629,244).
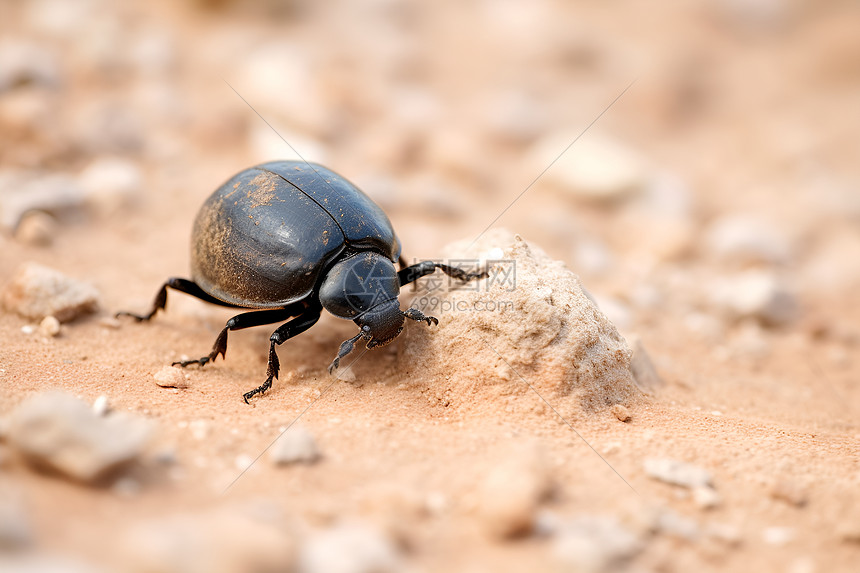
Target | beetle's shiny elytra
(289,239)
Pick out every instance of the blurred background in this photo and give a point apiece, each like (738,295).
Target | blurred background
(711,204)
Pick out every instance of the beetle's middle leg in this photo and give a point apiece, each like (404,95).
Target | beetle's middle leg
(284,332)
(238,322)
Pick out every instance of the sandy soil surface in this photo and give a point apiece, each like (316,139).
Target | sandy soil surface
(713,212)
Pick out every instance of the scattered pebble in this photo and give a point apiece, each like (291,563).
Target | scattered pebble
(778,535)
(706,497)
(789,492)
(24,192)
(296,445)
(755,294)
(349,548)
(677,473)
(643,369)
(26,63)
(675,525)
(621,412)
(36,228)
(509,496)
(744,240)
(595,544)
(724,533)
(36,291)
(171,377)
(601,169)
(101,406)
(58,431)
(109,183)
(15,530)
(214,541)
(49,326)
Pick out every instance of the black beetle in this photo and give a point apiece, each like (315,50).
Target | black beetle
(290,238)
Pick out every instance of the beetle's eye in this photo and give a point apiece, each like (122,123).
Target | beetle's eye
(365,328)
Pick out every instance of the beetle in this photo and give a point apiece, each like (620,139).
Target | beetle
(288,239)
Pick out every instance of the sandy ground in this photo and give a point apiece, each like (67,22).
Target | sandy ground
(445,115)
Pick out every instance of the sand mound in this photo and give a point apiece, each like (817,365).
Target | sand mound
(529,323)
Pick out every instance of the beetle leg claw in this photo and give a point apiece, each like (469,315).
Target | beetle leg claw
(415,314)
(259,390)
(345,348)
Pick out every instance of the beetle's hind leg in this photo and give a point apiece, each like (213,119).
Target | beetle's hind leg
(177,284)
(238,322)
(284,332)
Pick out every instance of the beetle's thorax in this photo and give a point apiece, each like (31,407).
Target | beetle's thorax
(356,284)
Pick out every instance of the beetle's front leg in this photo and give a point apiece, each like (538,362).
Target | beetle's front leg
(419,316)
(284,332)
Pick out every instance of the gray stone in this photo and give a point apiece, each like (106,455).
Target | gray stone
(36,291)
(57,431)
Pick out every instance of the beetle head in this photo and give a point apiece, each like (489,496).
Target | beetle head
(381,324)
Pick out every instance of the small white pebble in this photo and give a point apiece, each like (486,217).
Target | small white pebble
(28,329)
(777,535)
(295,445)
(706,497)
(49,326)
(101,406)
(171,377)
(677,473)
(621,412)
(36,228)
